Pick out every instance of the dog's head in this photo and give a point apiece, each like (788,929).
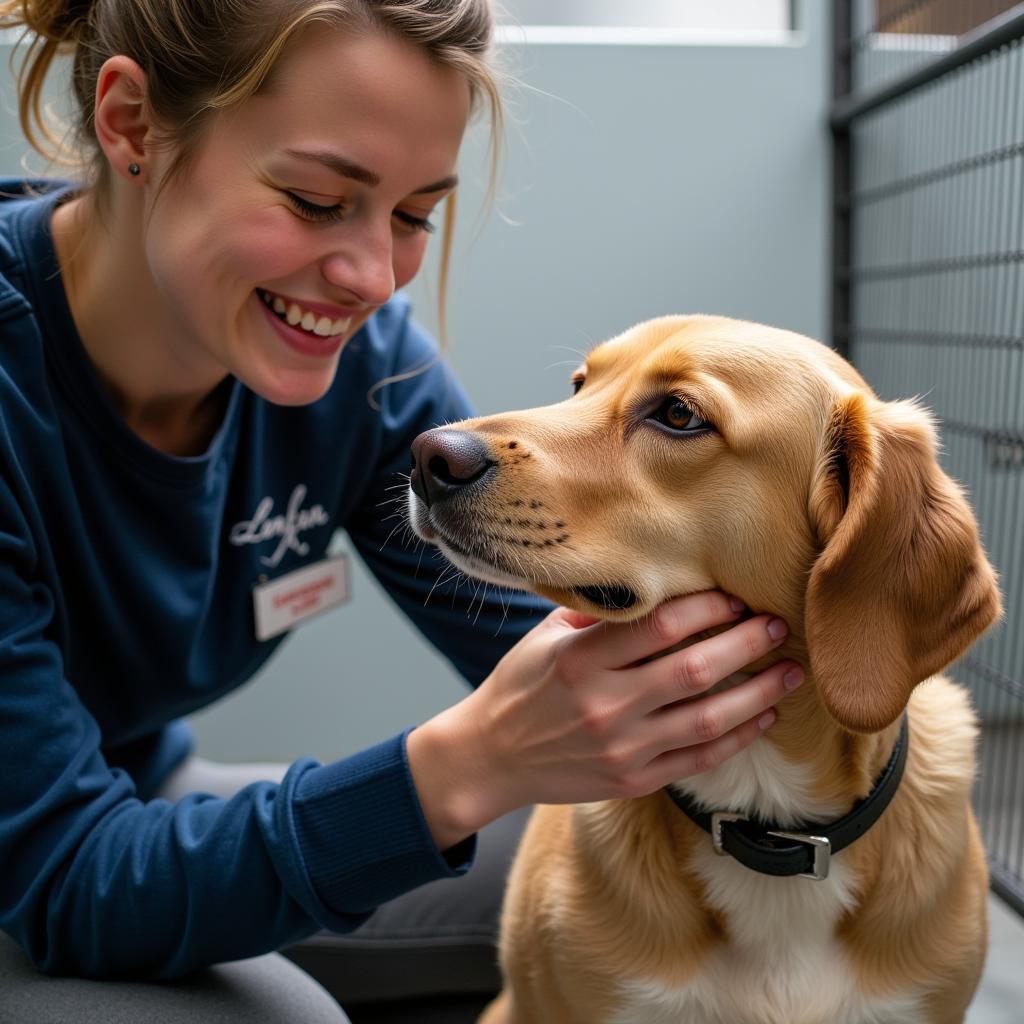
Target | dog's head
(702,452)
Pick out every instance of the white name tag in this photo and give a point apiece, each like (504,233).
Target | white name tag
(288,600)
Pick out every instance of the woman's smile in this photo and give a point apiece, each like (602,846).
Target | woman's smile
(317,318)
(302,330)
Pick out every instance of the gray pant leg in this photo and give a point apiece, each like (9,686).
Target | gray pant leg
(438,939)
(263,990)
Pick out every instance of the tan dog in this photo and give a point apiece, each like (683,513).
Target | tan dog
(700,453)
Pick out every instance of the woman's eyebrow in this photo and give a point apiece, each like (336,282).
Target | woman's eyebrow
(349,169)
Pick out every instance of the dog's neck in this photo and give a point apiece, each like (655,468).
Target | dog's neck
(806,767)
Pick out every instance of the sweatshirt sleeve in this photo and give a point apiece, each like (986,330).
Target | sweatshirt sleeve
(472,623)
(96,882)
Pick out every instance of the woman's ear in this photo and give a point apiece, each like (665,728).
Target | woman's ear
(902,586)
(122,119)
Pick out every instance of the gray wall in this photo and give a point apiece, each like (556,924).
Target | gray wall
(639,180)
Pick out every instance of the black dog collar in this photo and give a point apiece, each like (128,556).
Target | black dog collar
(803,849)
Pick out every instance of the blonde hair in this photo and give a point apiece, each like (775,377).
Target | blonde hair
(203,56)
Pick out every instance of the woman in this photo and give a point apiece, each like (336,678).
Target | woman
(190,333)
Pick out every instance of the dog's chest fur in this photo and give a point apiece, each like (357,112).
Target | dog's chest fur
(781,961)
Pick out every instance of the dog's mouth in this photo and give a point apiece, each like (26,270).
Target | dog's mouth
(609,598)
(477,557)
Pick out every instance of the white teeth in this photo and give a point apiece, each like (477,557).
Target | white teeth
(296,316)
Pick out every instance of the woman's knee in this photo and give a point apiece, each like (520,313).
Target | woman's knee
(440,939)
(264,990)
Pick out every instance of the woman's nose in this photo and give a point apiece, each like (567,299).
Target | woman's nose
(365,267)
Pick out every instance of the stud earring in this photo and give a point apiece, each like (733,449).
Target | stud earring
(134,170)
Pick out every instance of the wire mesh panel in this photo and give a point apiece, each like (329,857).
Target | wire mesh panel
(929,284)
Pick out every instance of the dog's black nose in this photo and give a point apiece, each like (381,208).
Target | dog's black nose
(444,461)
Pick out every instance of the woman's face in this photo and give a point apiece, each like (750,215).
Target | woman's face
(310,203)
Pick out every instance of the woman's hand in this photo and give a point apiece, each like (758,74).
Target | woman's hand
(581,709)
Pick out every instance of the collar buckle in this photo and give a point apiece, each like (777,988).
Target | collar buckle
(821,848)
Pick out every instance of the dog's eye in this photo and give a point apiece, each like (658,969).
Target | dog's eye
(678,416)
(577,383)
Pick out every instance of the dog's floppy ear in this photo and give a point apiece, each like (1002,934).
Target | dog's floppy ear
(901,586)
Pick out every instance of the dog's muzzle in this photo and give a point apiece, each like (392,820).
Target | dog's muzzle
(445,462)
(452,475)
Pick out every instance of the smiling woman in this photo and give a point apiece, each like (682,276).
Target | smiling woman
(197,109)
(263,206)
(191,328)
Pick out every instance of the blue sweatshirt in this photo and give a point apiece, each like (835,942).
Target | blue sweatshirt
(126,579)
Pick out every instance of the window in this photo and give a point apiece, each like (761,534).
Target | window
(936,17)
(748,17)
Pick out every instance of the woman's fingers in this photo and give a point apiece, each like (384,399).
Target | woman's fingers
(703,734)
(710,718)
(686,761)
(691,671)
(614,645)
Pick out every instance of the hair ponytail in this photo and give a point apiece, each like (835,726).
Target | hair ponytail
(57,20)
(52,28)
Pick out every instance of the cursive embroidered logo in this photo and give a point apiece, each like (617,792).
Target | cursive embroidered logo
(264,526)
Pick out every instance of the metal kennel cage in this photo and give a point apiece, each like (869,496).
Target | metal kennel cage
(928,300)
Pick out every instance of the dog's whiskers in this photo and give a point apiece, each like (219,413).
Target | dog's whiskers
(562,362)
(446,575)
(568,348)
(397,527)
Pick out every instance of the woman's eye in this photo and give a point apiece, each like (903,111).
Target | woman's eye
(410,220)
(314,211)
(678,416)
(336,211)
